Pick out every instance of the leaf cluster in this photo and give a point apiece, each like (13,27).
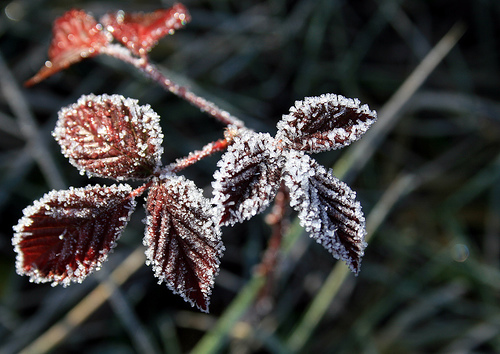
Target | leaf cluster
(67,234)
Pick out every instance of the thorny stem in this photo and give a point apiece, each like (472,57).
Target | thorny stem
(151,71)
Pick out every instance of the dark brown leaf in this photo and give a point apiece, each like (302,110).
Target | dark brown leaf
(248,177)
(183,239)
(324,123)
(327,208)
(66,235)
(110,136)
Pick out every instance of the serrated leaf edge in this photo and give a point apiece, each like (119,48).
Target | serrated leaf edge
(216,236)
(26,221)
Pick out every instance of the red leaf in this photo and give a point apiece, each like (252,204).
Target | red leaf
(248,178)
(327,208)
(66,235)
(183,239)
(141,31)
(110,136)
(76,35)
(324,123)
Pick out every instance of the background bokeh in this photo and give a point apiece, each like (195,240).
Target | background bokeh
(428,178)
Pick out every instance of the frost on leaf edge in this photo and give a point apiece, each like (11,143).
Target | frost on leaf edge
(247,145)
(65,58)
(136,31)
(297,174)
(195,194)
(289,127)
(26,221)
(141,112)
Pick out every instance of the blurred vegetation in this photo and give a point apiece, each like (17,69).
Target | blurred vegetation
(430,185)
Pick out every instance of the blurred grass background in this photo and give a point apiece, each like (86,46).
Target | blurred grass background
(428,179)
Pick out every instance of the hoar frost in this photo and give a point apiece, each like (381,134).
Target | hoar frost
(97,139)
(248,177)
(66,235)
(255,165)
(324,123)
(183,239)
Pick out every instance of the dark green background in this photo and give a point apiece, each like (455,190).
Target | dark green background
(429,280)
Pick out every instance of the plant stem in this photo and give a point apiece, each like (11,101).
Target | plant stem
(138,191)
(276,220)
(195,156)
(156,75)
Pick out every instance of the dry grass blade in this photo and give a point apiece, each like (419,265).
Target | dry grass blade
(29,128)
(356,157)
(138,333)
(59,331)
(399,188)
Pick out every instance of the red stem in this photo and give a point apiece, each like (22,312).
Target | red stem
(195,156)
(276,220)
(267,267)
(156,75)
(138,191)
(182,163)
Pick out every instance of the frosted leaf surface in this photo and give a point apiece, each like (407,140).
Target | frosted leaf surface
(183,239)
(110,136)
(324,123)
(327,208)
(66,235)
(141,31)
(75,36)
(248,177)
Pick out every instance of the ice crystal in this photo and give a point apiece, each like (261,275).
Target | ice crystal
(140,32)
(183,239)
(76,35)
(255,164)
(110,136)
(248,177)
(327,208)
(66,235)
(324,123)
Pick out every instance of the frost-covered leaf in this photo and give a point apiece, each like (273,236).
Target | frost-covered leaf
(110,136)
(324,123)
(183,239)
(76,36)
(327,208)
(141,31)
(248,177)
(66,235)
